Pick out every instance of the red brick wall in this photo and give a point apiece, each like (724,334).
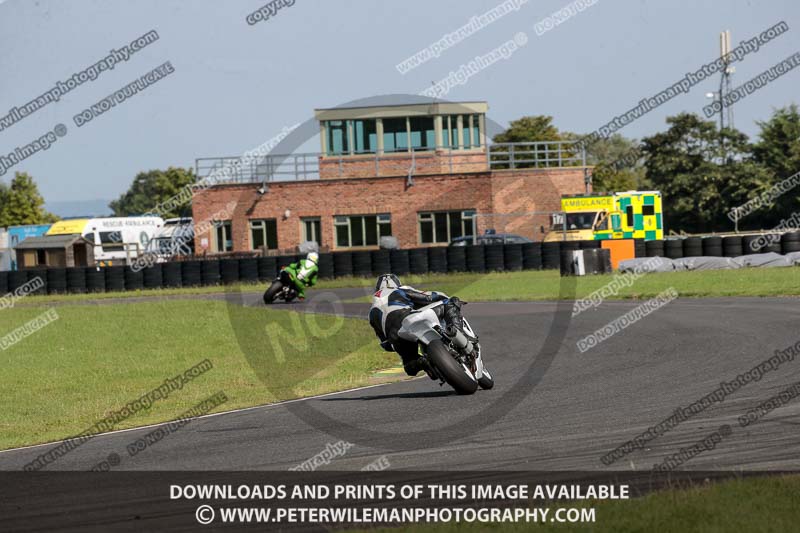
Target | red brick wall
(504,191)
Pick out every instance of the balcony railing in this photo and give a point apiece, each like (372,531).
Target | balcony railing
(309,166)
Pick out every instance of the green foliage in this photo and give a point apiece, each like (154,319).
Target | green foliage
(617,162)
(701,172)
(152,188)
(778,151)
(21,203)
(529,129)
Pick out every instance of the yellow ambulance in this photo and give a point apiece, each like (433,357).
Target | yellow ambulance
(621,215)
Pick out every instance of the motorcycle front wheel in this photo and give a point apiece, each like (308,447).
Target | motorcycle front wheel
(272,292)
(452,372)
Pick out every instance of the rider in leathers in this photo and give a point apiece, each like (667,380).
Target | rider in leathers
(392,303)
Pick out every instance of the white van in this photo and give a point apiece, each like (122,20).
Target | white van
(176,237)
(117,240)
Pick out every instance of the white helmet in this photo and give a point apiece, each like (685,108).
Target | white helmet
(387,281)
(313,257)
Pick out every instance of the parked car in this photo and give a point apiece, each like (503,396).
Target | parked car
(493,238)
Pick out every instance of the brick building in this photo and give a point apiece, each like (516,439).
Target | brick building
(422,173)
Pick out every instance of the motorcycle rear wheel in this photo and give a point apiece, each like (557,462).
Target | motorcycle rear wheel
(272,292)
(452,372)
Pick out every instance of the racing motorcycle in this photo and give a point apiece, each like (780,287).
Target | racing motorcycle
(282,287)
(453,356)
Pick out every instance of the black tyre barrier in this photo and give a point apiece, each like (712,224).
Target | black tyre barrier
(654,248)
(342,264)
(362,264)
(268,268)
(639,248)
(229,271)
(96,279)
(56,281)
(381,262)
(325,265)
(494,258)
(476,258)
(209,273)
(398,262)
(790,242)
(418,261)
(512,257)
(532,256)
(437,259)
(152,277)
(551,255)
(456,258)
(589,245)
(692,247)
(248,270)
(3,283)
(134,280)
(115,278)
(191,273)
(76,280)
(732,246)
(673,248)
(748,241)
(172,275)
(41,273)
(712,246)
(286,260)
(773,244)
(16,279)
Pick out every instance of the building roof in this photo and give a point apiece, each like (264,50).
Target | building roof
(49,241)
(428,108)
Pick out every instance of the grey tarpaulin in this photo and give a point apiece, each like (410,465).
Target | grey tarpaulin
(646,264)
(764,260)
(705,263)
(794,257)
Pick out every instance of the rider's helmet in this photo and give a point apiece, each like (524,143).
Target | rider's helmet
(313,257)
(387,281)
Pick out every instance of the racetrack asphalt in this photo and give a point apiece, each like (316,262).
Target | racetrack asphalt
(561,416)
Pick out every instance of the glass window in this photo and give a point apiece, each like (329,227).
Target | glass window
(223,234)
(395,135)
(312,230)
(444,226)
(365,136)
(476,135)
(111,241)
(580,220)
(264,233)
(423,135)
(648,210)
(361,230)
(337,137)
(629,216)
(449,132)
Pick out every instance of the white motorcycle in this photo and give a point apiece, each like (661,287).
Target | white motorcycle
(454,356)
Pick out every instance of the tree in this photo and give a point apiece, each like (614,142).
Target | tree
(21,203)
(617,163)
(700,185)
(150,189)
(778,150)
(529,129)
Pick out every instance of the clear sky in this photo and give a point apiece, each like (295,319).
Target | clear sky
(236,85)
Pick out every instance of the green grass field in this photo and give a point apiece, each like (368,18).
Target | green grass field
(528,285)
(95,359)
(752,504)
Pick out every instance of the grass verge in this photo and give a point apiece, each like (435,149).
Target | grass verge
(93,360)
(750,504)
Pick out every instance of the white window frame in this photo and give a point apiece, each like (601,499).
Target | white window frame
(345,220)
(467,217)
(303,227)
(228,236)
(252,225)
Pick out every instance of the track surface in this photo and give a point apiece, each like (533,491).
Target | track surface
(585,405)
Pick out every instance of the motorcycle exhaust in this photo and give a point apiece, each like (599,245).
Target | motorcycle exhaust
(458,338)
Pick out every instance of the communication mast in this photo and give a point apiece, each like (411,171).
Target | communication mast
(725,112)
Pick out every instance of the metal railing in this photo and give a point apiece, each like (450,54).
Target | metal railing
(307,166)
